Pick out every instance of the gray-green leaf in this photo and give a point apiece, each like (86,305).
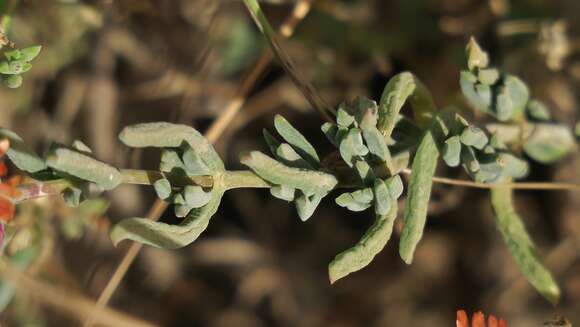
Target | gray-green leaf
(452,151)
(474,136)
(167,236)
(383,199)
(296,140)
(283,192)
(84,167)
(521,246)
(352,146)
(360,255)
(166,135)
(310,181)
(20,154)
(423,169)
(195,196)
(162,188)
(396,92)
(549,142)
(376,144)
(305,205)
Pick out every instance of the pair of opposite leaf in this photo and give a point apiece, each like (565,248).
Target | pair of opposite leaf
(295,171)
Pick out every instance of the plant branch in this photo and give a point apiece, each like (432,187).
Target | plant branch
(248,179)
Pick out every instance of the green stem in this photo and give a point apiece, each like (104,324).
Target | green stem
(247,179)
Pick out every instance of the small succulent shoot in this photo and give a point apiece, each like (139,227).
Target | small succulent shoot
(507,98)
(17,63)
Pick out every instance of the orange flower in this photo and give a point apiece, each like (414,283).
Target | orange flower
(478,320)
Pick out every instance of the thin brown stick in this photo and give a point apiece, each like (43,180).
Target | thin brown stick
(154,214)
(212,134)
(286,30)
(515,186)
(75,304)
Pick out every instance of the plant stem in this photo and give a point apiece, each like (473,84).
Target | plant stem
(247,179)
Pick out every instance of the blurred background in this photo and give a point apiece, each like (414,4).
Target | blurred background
(107,64)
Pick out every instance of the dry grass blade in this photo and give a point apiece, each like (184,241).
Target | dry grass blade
(212,134)
(154,213)
(286,30)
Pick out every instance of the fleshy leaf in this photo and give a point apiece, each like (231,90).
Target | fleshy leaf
(81,147)
(170,160)
(383,199)
(343,118)
(20,154)
(467,83)
(352,146)
(365,172)
(364,195)
(283,192)
(195,196)
(162,188)
(452,151)
(360,255)
(167,236)
(296,140)
(538,111)
(474,136)
(12,81)
(289,156)
(166,135)
(193,163)
(376,144)
(347,200)
(549,142)
(423,169)
(469,160)
(521,246)
(488,76)
(489,171)
(310,181)
(476,57)
(514,166)
(28,54)
(395,185)
(84,167)
(305,205)
(396,92)
(518,92)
